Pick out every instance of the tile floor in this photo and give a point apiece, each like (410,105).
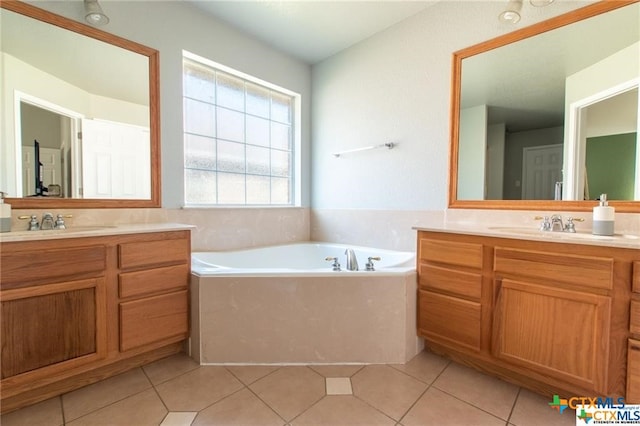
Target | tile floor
(428,390)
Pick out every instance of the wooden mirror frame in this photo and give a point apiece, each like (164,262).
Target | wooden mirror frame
(539,28)
(154,107)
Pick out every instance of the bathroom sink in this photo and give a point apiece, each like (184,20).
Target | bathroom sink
(585,235)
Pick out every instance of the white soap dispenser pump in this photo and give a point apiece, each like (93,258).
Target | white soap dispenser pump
(603,217)
(5,215)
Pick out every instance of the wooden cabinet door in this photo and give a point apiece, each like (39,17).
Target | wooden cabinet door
(633,372)
(52,327)
(555,332)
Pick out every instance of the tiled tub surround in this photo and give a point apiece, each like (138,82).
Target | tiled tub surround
(214,229)
(304,316)
(394,229)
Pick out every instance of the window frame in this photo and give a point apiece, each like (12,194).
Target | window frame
(296,135)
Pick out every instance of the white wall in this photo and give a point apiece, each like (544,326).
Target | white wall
(170,27)
(395,86)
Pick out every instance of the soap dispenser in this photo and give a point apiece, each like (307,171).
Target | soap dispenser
(5,215)
(603,217)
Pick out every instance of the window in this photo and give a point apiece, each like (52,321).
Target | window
(241,143)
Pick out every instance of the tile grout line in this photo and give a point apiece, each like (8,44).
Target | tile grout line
(513,407)
(258,396)
(469,404)
(113,403)
(429,386)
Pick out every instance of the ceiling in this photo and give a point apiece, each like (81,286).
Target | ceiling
(312,30)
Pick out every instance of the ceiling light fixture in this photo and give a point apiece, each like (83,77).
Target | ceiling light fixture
(511,15)
(94,14)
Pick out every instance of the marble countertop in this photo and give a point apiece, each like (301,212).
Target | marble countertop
(91,231)
(531,233)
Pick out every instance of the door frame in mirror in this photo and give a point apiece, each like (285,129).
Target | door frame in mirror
(154,109)
(539,28)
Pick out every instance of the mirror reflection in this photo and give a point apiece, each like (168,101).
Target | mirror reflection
(553,116)
(77,126)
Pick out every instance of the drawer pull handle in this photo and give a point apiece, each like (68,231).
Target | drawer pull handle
(634,348)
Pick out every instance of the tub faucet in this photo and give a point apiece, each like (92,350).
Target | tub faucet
(352,262)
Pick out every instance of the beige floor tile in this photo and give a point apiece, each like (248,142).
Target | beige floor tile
(339,386)
(532,409)
(290,390)
(169,368)
(342,411)
(242,408)
(337,370)
(45,413)
(387,389)
(439,409)
(198,388)
(181,418)
(90,398)
(481,390)
(425,366)
(248,374)
(141,409)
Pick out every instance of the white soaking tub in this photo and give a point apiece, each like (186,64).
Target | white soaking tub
(286,305)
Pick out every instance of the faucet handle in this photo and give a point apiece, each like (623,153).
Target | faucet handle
(570,226)
(369,265)
(34,225)
(545,225)
(59,224)
(335,264)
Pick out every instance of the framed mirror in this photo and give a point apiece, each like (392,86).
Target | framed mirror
(546,117)
(80,129)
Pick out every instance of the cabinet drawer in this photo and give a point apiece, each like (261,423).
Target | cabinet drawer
(452,253)
(633,372)
(153,319)
(636,277)
(584,271)
(23,268)
(449,319)
(634,320)
(147,253)
(457,282)
(159,280)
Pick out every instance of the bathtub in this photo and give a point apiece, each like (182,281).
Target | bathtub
(285,305)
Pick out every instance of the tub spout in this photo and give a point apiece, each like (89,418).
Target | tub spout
(352,262)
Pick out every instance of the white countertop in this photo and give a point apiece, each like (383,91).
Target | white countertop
(91,231)
(531,233)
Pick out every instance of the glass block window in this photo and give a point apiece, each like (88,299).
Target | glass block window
(240,137)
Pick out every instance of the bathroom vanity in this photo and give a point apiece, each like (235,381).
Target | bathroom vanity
(78,307)
(551,313)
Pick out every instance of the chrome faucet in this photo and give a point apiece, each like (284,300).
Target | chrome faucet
(47,222)
(556,223)
(352,262)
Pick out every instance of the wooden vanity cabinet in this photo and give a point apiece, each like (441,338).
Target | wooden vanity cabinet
(553,316)
(548,316)
(152,289)
(450,288)
(53,309)
(633,347)
(77,310)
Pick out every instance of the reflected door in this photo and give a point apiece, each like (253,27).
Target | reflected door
(541,169)
(115,160)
